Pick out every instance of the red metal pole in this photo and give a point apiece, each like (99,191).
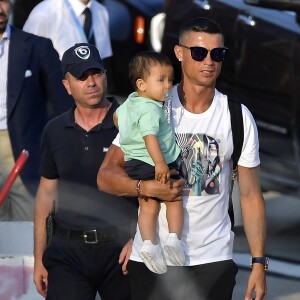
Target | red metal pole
(19,164)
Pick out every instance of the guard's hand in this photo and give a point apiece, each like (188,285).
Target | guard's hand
(40,278)
(124,256)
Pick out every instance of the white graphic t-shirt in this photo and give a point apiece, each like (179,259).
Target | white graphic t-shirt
(206,146)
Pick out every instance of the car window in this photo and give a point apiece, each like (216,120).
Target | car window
(282,19)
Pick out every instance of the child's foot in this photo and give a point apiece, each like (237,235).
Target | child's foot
(152,256)
(174,250)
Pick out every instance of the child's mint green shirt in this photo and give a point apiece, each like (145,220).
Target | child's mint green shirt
(138,117)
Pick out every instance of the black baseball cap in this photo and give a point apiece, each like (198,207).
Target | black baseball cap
(80,58)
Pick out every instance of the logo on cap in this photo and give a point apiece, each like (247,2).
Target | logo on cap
(83,52)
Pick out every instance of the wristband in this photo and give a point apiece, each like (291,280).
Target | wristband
(260,260)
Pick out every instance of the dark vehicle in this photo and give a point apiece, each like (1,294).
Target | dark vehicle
(262,69)
(129,31)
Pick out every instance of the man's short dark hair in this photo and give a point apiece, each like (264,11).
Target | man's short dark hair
(140,64)
(200,24)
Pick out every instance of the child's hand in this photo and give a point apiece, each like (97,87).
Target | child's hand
(162,173)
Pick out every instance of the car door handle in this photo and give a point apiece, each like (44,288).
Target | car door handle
(247,20)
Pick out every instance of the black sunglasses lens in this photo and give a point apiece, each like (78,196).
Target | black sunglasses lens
(198,53)
(218,54)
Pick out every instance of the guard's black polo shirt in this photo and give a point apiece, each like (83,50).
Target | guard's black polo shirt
(73,156)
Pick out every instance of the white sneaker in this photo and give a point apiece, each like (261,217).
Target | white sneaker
(152,256)
(174,250)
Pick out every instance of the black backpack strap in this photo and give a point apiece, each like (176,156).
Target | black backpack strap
(237,127)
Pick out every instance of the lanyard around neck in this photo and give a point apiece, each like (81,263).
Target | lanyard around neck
(77,22)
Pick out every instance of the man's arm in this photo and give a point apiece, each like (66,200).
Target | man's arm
(113,179)
(254,218)
(46,194)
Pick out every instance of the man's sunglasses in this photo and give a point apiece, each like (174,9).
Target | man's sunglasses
(199,53)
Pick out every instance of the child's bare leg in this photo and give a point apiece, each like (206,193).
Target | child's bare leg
(151,252)
(173,245)
(175,217)
(149,209)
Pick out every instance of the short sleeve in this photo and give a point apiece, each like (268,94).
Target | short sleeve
(48,168)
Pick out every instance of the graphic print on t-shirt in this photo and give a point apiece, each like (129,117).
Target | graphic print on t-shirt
(200,163)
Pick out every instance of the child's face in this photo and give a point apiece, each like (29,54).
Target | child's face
(159,82)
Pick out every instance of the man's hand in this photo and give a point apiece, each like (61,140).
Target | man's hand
(40,278)
(124,256)
(172,191)
(257,284)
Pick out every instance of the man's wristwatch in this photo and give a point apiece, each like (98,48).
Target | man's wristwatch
(260,260)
